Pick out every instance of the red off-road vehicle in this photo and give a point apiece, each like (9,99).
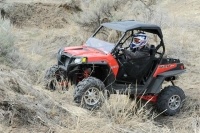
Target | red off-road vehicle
(100,66)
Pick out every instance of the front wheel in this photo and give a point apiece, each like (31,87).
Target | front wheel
(54,77)
(170,100)
(89,93)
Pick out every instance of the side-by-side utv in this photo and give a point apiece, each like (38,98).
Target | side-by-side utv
(99,65)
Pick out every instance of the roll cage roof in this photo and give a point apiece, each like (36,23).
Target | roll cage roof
(129,25)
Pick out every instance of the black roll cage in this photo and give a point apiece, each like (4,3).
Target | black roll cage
(136,26)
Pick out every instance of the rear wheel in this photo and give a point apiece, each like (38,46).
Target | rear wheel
(170,100)
(89,93)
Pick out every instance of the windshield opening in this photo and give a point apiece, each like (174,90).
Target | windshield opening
(104,40)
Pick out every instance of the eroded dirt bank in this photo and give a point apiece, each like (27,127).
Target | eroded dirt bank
(40,29)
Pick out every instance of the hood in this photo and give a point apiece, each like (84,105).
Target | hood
(93,56)
(84,51)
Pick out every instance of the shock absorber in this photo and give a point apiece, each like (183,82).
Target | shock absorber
(86,72)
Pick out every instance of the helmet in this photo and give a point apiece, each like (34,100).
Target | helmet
(139,40)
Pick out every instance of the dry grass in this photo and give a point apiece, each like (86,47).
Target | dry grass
(25,106)
(101,11)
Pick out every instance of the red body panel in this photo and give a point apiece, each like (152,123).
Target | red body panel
(164,68)
(94,56)
(149,98)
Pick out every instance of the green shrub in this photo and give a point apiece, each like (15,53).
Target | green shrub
(6,39)
(98,12)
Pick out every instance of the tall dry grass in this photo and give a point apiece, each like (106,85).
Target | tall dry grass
(36,50)
(12,57)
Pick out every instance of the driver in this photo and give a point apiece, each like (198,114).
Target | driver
(138,47)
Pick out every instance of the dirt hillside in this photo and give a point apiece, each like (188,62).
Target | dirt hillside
(31,34)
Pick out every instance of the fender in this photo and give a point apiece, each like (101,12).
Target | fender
(172,73)
(162,68)
(107,60)
(157,81)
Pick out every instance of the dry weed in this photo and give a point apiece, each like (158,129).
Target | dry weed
(29,108)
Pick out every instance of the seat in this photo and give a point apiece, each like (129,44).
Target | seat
(137,70)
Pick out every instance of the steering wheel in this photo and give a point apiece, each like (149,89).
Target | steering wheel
(120,53)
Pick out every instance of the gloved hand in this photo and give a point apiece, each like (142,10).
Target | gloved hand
(121,49)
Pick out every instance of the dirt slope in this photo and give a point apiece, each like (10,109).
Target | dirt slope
(42,27)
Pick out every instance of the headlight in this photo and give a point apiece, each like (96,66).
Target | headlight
(80,60)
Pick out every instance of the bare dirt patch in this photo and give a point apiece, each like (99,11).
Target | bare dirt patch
(39,14)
